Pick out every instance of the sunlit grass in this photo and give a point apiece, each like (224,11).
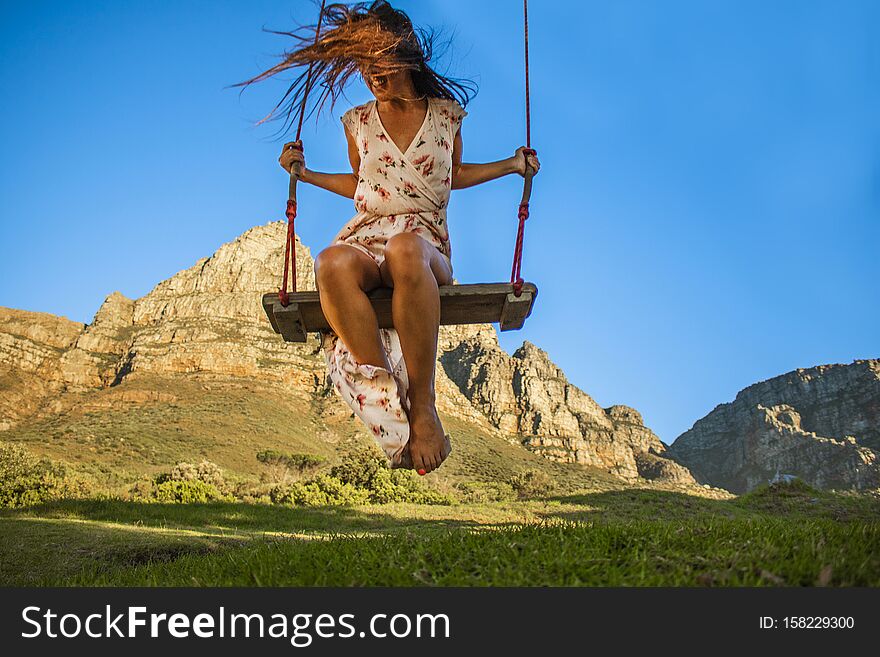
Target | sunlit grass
(779,535)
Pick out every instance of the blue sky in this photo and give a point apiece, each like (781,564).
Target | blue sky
(707,214)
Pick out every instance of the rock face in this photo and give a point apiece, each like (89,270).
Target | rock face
(31,347)
(820,424)
(92,361)
(207,321)
(527,396)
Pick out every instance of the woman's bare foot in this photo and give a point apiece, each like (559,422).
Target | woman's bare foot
(404,461)
(405,458)
(428,443)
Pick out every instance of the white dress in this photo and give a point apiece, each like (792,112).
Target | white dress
(397,192)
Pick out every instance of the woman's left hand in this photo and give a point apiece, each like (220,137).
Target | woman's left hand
(520,159)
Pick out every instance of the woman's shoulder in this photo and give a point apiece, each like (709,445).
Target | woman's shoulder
(357,116)
(450,108)
(359,110)
(448,103)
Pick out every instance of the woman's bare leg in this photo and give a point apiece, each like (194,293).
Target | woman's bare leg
(344,275)
(414,267)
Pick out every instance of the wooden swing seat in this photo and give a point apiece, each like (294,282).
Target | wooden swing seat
(473,303)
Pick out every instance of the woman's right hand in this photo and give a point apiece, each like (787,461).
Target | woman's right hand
(291,155)
(523,160)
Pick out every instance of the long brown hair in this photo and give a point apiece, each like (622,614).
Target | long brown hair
(352,37)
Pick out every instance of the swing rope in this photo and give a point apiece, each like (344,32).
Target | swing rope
(295,173)
(523,213)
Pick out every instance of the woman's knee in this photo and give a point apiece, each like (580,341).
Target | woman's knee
(339,264)
(407,252)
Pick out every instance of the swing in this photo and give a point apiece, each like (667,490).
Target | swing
(295,314)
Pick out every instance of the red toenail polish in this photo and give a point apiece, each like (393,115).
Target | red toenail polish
(422,471)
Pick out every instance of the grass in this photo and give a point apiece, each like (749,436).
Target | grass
(100,435)
(745,552)
(117,442)
(774,536)
(597,530)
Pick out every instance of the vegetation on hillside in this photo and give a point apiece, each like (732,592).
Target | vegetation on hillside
(231,488)
(780,535)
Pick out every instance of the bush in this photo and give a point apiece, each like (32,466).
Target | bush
(206,472)
(403,486)
(186,483)
(479,492)
(359,467)
(324,490)
(532,483)
(255,498)
(187,492)
(280,465)
(363,477)
(26,480)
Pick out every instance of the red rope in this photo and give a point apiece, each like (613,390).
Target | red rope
(523,214)
(283,296)
(528,103)
(515,276)
(290,245)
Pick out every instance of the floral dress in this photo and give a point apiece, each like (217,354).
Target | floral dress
(397,192)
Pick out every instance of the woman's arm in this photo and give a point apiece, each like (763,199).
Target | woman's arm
(470,174)
(343,184)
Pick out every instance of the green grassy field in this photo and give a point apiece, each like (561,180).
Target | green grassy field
(781,535)
(591,529)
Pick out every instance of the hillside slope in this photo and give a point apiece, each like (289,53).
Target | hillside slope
(193,369)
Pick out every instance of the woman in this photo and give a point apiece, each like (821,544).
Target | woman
(405,152)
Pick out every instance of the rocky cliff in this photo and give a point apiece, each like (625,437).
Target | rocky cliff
(31,347)
(527,396)
(821,424)
(207,322)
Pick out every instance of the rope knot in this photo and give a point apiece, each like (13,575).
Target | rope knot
(289,254)
(523,211)
(291,210)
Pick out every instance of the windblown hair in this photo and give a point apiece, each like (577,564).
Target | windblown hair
(352,38)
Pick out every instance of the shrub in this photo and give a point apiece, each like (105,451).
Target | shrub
(363,477)
(186,483)
(359,467)
(141,491)
(255,498)
(206,472)
(280,465)
(532,483)
(404,486)
(26,480)
(187,492)
(480,492)
(325,490)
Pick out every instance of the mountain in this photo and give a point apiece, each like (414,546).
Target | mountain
(194,366)
(821,424)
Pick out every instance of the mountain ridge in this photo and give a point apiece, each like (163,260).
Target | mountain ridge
(821,424)
(206,322)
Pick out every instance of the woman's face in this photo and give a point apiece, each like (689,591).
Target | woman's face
(387,86)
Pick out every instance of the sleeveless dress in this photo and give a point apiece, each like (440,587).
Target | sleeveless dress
(397,192)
